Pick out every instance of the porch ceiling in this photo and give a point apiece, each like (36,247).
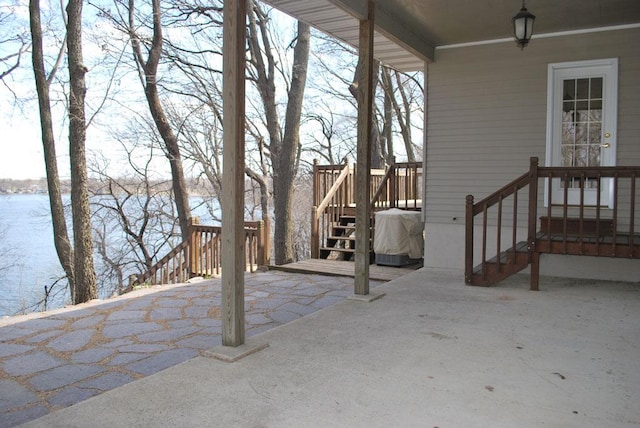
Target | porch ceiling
(408,31)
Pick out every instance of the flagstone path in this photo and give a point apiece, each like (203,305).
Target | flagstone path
(56,359)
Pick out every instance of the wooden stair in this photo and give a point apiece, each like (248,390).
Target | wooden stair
(582,229)
(341,243)
(502,266)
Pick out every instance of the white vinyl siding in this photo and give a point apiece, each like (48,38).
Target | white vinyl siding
(487,108)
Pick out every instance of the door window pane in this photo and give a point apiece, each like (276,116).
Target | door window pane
(581,124)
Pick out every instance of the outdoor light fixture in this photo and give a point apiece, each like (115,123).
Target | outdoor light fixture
(523,26)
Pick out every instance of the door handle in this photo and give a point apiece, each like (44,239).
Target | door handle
(605,145)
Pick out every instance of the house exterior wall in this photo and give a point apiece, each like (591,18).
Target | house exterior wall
(487,112)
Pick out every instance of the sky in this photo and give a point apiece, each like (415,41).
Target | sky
(21,153)
(20,144)
(21,149)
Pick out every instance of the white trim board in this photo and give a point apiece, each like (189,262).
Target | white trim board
(541,36)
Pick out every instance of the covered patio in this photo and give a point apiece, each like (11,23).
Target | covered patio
(486,100)
(431,353)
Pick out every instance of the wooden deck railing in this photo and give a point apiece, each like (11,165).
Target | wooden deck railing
(399,186)
(200,255)
(332,193)
(567,226)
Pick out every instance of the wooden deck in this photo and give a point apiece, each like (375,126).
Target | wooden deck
(344,268)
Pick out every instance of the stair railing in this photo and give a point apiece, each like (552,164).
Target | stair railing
(507,194)
(336,198)
(200,255)
(400,187)
(567,226)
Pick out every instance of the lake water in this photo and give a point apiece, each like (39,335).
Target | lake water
(28,260)
(26,242)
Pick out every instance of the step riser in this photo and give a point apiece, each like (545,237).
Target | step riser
(341,242)
(504,265)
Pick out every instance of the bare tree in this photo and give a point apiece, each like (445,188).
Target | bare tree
(61,240)
(14,45)
(8,257)
(407,89)
(133,218)
(284,147)
(148,70)
(399,98)
(85,276)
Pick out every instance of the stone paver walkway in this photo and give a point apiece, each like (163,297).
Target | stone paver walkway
(53,360)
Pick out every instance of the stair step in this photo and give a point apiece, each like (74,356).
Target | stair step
(341,242)
(343,227)
(349,219)
(339,249)
(505,257)
(501,266)
(341,238)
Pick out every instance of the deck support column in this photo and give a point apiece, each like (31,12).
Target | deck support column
(234,42)
(363,161)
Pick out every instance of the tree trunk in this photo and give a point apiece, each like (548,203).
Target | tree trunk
(387,129)
(287,160)
(150,68)
(84,271)
(60,234)
(283,147)
(377,157)
(180,189)
(404,121)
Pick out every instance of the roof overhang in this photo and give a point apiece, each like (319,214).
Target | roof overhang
(407,32)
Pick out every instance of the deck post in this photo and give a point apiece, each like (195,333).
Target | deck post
(393,180)
(195,246)
(363,185)
(468,241)
(267,241)
(234,42)
(315,234)
(314,183)
(261,261)
(534,255)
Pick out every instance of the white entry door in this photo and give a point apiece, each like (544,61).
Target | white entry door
(581,125)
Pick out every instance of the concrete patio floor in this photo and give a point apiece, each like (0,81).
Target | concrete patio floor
(431,353)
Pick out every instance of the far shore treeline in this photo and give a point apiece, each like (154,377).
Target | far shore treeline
(10,186)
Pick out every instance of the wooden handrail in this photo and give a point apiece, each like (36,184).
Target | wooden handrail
(502,193)
(199,255)
(383,184)
(402,186)
(333,190)
(563,232)
(182,248)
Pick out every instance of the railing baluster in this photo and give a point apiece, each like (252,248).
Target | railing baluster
(632,214)
(615,212)
(549,207)
(565,209)
(484,243)
(250,248)
(217,254)
(468,251)
(499,234)
(598,203)
(583,183)
(514,226)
